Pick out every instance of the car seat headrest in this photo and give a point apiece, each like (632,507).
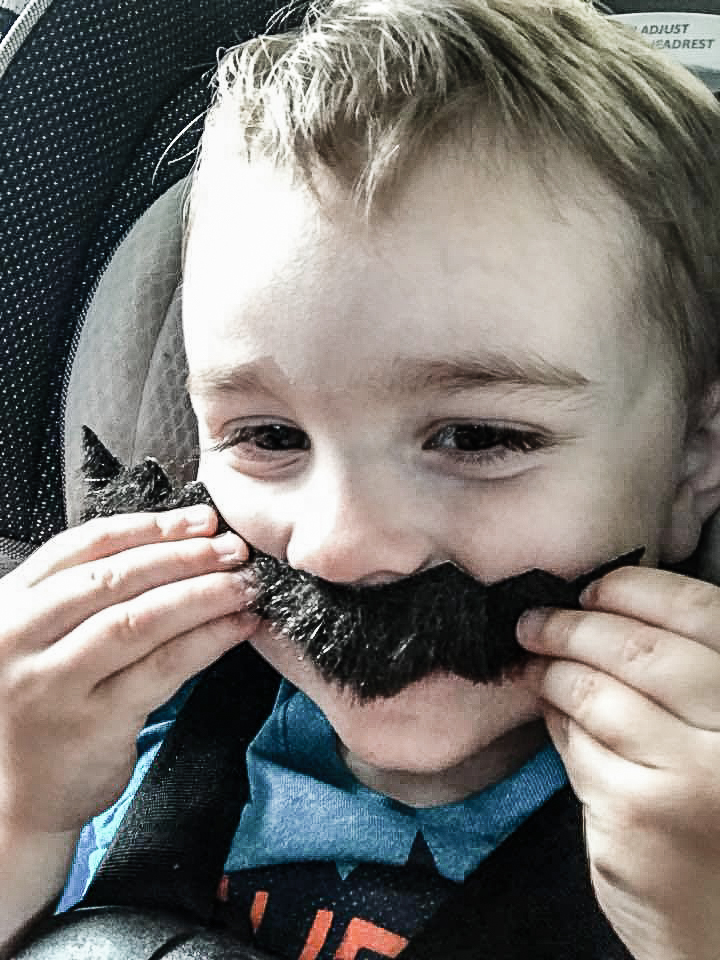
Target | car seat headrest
(127,380)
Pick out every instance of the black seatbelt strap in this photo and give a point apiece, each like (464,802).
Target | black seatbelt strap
(172,844)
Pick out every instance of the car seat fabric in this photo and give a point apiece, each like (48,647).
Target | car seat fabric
(127,380)
(89,101)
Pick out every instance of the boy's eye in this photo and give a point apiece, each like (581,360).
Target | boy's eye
(266,438)
(472,443)
(484,442)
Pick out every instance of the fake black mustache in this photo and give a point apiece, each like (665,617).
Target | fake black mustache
(371,641)
(375,641)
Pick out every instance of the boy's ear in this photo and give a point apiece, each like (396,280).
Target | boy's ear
(697,495)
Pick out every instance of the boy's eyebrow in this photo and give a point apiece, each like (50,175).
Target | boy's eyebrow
(414,374)
(244,378)
(490,369)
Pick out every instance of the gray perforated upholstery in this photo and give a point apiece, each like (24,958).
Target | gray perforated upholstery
(128,375)
(12,553)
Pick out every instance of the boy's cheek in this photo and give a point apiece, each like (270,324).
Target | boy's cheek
(251,509)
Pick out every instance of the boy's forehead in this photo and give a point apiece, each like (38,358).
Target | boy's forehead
(466,258)
(247,214)
(252,201)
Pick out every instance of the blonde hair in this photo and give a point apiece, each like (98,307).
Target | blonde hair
(364,87)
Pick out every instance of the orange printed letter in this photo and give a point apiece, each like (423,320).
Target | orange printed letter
(318,935)
(362,935)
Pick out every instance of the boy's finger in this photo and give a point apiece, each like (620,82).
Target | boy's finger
(595,771)
(126,633)
(620,718)
(150,682)
(681,675)
(67,598)
(682,605)
(105,536)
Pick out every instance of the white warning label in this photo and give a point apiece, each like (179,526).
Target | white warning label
(692,38)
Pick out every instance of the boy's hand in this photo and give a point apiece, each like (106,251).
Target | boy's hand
(630,687)
(100,626)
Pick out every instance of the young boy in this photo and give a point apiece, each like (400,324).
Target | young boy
(448,297)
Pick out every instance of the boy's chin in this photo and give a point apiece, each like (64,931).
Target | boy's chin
(433,726)
(429,728)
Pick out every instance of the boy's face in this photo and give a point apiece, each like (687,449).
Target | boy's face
(464,380)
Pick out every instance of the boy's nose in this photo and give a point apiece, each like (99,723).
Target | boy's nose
(355,531)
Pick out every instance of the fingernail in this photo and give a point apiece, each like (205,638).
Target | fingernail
(531,623)
(586,597)
(197,517)
(230,548)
